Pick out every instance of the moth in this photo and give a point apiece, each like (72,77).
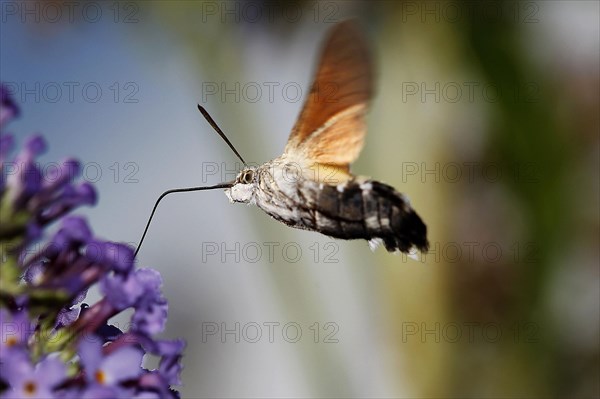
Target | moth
(310,185)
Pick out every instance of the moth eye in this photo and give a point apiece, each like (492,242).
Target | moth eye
(248,177)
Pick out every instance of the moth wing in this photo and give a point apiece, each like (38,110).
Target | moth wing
(331,127)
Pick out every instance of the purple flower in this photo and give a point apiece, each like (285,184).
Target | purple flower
(8,108)
(140,289)
(122,291)
(151,315)
(15,330)
(123,364)
(170,364)
(106,332)
(41,288)
(116,256)
(6,146)
(101,392)
(32,381)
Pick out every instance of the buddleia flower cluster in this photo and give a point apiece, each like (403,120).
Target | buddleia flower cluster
(52,345)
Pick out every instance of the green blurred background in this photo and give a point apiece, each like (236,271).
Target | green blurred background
(485,115)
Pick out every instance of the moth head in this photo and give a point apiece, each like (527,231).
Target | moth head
(244,186)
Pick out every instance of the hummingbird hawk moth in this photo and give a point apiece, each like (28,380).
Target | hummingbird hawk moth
(310,186)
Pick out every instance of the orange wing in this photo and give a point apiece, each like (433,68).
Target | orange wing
(331,127)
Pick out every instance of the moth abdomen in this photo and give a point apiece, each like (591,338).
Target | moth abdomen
(369,210)
(401,227)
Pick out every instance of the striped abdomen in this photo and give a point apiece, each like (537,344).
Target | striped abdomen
(354,210)
(370,210)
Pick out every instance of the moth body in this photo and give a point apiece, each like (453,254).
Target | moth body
(356,208)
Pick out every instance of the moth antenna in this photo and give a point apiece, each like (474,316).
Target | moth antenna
(175,190)
(214,125)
